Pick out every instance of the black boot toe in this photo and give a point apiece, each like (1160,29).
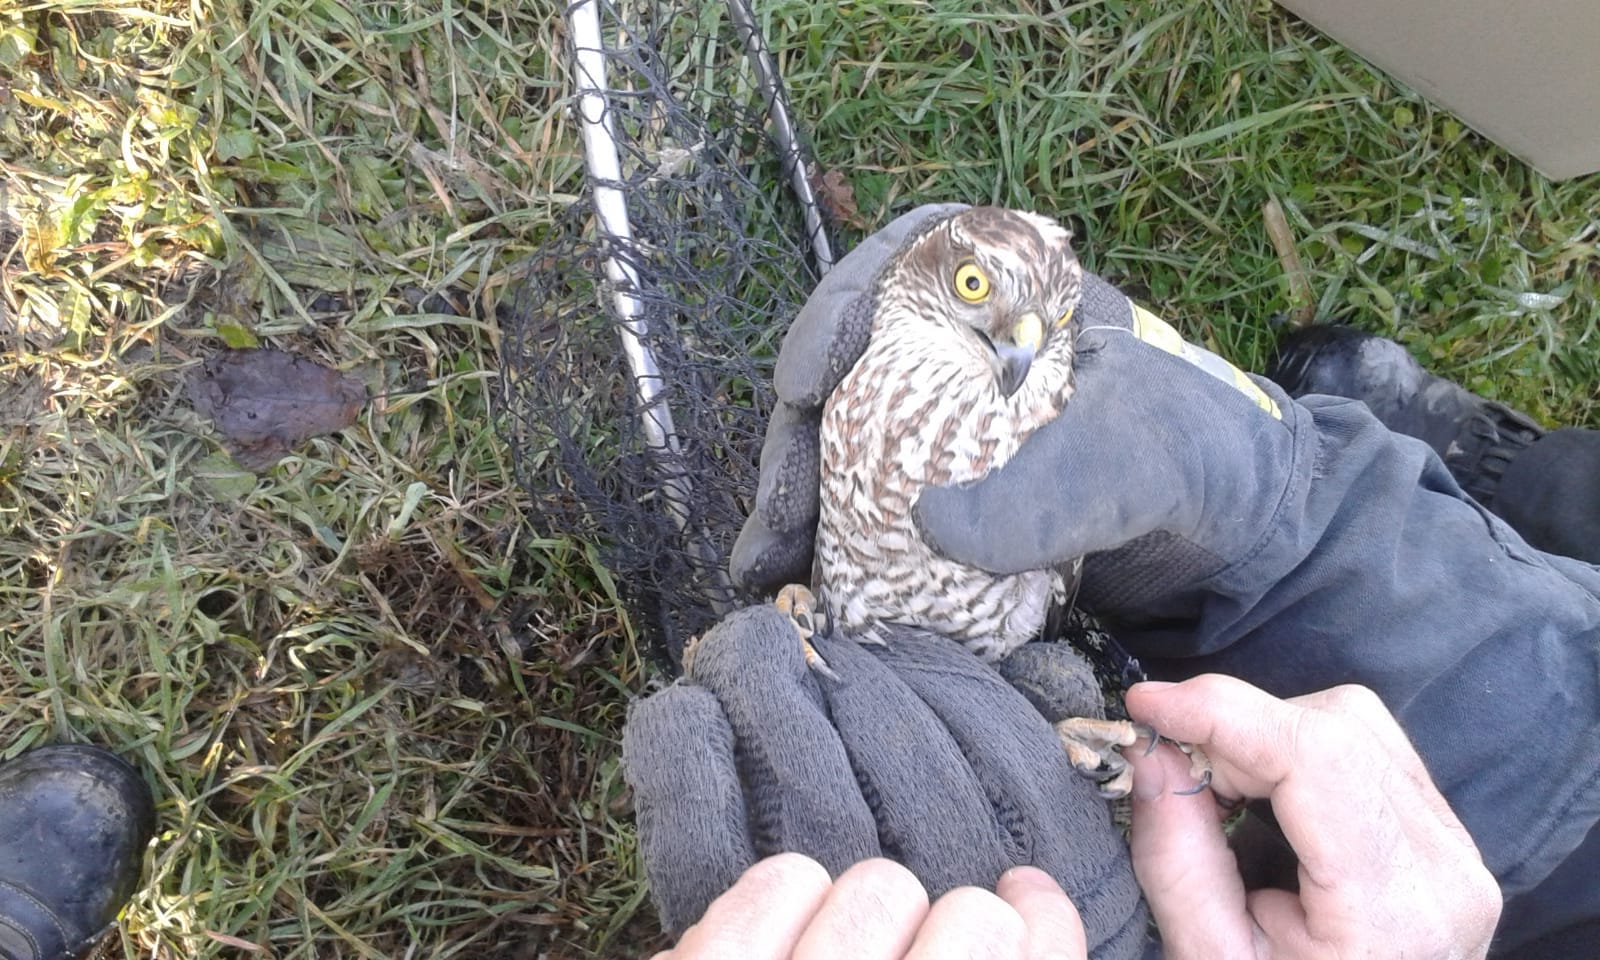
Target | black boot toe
(74,823)
(1476,438)
(1339,361)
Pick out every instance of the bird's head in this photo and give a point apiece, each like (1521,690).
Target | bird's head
(1005,281)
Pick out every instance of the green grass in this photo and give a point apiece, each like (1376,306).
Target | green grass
(383,732)
(1160,130)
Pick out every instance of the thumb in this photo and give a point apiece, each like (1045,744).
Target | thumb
(1092,479)
(1182,860)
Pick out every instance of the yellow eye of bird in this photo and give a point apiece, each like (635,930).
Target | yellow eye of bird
(971,283)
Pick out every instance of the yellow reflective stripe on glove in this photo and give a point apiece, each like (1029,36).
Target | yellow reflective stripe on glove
(1158,333)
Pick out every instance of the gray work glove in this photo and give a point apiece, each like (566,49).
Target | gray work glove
(824,341)
(1165,467)
(922,754)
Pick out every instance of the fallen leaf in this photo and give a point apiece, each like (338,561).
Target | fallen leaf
(839,197)
(266,402)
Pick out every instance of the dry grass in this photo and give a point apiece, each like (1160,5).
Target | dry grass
(380,712)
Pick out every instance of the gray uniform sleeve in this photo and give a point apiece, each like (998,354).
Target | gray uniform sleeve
(1378,570)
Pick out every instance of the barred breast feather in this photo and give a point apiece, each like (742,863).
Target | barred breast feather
(915,413)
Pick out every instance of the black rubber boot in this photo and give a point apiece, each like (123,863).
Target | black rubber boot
(74,823)
(1476,438)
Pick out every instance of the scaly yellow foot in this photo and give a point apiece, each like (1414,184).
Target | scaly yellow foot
(799,605)
(1094,745)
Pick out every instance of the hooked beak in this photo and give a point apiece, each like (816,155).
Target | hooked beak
(1016,352)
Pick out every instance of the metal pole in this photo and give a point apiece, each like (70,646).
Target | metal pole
(783,130)
(603,162)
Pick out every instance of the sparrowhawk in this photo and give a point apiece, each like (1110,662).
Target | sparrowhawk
(970,352)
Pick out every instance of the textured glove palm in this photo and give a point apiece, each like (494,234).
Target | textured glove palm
(923,754)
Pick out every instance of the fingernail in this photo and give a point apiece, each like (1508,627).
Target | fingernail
(1152,685)
(1228,805)
(1030,877)
(1149,776)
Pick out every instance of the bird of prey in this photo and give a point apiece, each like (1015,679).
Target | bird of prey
(970,352)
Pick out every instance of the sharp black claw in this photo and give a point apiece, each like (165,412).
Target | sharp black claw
(818,665)
(1148,733)
(1104,773)
(1205,781)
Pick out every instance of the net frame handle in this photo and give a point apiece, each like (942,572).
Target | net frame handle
(784,135)
(603,164)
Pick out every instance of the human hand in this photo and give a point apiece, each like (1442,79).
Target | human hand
(1165,467)
(786,906)
(1385,868)
(923,754)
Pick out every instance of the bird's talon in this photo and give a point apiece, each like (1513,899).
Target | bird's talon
(1092,747)
(1199,765)
(1118,788)
(686,659)
(1151,738)
(1105,774)
(797,603)
(815,662)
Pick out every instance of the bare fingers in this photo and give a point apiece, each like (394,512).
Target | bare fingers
(1385,866)
(785,907)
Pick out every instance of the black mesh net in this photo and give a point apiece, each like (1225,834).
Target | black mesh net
(711,242)
(653,459)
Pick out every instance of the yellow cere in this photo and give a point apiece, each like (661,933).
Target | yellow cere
(971,283)
(1066,318)
(1028,331)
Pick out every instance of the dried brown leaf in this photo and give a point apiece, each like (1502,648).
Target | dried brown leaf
(838,195)
(266,402)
